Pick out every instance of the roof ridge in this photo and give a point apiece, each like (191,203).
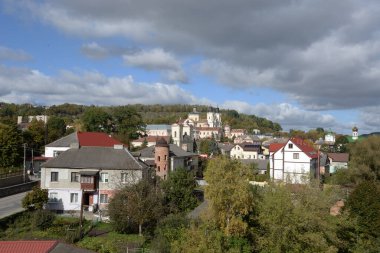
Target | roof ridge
(133,158)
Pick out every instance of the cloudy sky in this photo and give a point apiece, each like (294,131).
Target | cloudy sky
(302,63)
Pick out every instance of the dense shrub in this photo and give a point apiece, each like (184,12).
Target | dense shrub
(43,219)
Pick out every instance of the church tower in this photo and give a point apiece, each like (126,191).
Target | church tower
(355,133)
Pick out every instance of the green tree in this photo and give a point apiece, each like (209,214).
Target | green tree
(206,237)
(56,128)
(35,135)
(365,160)
(35,199)
(10,146)
(128,123)
(96,119)
(229,193)
(139,204)
(296,221)
(340,145)
(168,230)
(364,205)
(178,190)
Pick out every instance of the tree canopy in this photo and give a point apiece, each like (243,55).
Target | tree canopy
(178,190)
(136,204)
(10,146)
(229,193)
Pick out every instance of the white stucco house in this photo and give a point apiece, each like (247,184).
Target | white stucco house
(89,174)
(293,162)
(83,139)
(245,151)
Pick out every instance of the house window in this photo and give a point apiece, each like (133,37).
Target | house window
(87,180)
(124,177)
(166,157)
(103,198)
(56,153)
(249,156)
(158,168)
(175,134)
(290,145)
(296,156)
(53,196)
(159,158)
(73,197)
(74,177)
(54,177)
(104,177)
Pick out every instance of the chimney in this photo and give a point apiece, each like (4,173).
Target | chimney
(74,145)
(118,146)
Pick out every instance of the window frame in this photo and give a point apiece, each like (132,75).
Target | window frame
(124,177)
(55,177)
(104,177)
(75,196)
(103,198)
(296,156)
(53,199)
(75,176)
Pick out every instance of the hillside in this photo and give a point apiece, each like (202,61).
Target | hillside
(151,114)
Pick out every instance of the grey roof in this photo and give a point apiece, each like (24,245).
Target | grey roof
(158,127)
(65,141)
(261,163)
(179,152)
(174,150)
(226,146)
(95,158)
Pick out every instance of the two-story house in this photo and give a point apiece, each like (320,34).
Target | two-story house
(294,161)
(246,151)
(89,174)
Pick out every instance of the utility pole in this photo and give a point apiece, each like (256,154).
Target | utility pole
(24,162)
(32,162)
(81,215)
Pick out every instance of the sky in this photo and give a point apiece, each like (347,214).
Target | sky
(301,63)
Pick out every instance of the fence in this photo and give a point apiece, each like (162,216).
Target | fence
(5,173)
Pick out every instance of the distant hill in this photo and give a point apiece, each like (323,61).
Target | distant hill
(370,134)
(151,114)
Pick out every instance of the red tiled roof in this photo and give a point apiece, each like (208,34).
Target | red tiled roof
(96,139)
(27,246)
(207,128)
(305,147)
(274,147)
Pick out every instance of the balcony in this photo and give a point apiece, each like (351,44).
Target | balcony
(88,180)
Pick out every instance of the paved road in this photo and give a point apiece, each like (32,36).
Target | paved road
(11,204)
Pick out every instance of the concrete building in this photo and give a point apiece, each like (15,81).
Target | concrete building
(91,174)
